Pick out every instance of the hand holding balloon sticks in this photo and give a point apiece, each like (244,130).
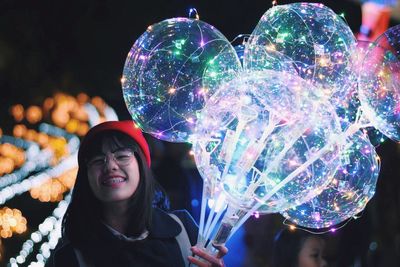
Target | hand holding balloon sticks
(268,136)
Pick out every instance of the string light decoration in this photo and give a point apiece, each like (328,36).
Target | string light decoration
(169,73)
(11,158)
(17,111)
(50,153)
(34,114)
(36,160)
(47,236)
(18,188)
(274,133)
(11,221)
(53,189)
(67,112)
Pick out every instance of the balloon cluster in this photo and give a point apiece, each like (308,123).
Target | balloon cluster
(282,132)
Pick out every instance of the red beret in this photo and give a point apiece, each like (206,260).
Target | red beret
(127,127)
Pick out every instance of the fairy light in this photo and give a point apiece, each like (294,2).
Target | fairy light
(45,237)
(17,111)
(94,116)
(123,80)
(171,90)
(11,221)
(17,188)
(34,114)
(53,189)
(36,159)
(72,141)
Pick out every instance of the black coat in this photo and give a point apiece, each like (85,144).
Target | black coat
(159,249)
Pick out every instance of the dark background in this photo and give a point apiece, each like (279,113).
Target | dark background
(73,46)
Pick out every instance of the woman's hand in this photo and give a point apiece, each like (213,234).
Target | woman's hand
(206,258)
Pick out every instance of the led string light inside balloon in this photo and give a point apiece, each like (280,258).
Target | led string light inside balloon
(277,46)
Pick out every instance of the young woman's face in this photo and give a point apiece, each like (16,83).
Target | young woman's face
(312,253)
(113,174)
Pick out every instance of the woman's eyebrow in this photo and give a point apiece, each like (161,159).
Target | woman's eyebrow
(121,149)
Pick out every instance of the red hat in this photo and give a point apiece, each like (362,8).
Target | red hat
(126,127)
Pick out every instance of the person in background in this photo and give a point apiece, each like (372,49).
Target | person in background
(118,215)
(297,248)
(375,17)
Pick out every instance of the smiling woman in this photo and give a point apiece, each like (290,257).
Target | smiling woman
(118,214)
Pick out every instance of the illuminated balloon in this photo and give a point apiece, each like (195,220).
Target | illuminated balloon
(170,71)
(348,193)
(262,137)
(318,42)
(260,57)
(379,87)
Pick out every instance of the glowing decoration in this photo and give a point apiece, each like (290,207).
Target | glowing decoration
(380,82)
(348,193)
(169,73)
(17,111)
(17,187)
(260,57)
(11,221)
(48,234)
(14,153)
(318,42)
(34,114)
(34,159)
(253,142)
(53,190)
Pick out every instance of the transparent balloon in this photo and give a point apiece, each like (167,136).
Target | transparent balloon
(261,57)
(379,84)
(169,73)
(348,193)
(318,42)
(262,137)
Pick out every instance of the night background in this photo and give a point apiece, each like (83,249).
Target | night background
(74,47)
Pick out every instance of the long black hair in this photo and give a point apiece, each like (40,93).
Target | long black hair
(83,214)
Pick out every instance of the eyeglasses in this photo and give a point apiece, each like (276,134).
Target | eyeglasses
(121,157)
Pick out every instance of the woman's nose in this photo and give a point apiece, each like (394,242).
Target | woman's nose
(110,162)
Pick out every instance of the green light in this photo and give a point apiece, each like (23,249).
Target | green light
(179,43)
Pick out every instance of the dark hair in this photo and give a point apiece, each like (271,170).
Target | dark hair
(83,214)
(287,245)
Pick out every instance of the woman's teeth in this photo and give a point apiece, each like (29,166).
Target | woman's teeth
(113,181)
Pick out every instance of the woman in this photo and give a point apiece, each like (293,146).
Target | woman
(116,217)
(298,249)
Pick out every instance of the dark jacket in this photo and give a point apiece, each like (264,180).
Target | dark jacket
(159,249)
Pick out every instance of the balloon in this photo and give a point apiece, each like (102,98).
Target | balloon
(318,42)
(169,73)
(262,137)
(259,57)
(348,193)
(380,82)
